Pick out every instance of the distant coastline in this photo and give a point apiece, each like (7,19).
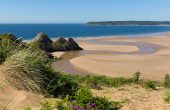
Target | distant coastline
(131,23)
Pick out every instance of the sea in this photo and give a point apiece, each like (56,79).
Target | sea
(29,31)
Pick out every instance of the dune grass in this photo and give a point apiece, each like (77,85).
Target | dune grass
(8,48)
(23,67)
(25,70)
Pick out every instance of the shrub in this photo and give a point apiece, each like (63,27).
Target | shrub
(150,84)
(62,85)
(136,77)
(102,103)
(167,81)
(84,100)
(27,108)
(105,81)
(46,105)
(167,97)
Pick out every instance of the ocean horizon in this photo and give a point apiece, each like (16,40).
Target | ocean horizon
(29,31)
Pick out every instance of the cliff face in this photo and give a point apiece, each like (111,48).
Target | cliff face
(43,42)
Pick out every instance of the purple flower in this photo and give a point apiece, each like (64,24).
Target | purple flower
(89,106)
(92,104)
(77,107)
(83,108)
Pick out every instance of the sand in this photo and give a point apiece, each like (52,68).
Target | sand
(12,99)
(58,54)
(113,57)
(136,97)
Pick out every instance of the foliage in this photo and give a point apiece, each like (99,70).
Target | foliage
(62,85)
(167,97)
(84,100)
(27,108)
(7,48)
(167,81)
(25,70)
(46,105)
(136,77)
(106,81)
(150,84)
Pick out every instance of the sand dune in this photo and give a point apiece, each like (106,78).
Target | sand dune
(11,99)
(138,98)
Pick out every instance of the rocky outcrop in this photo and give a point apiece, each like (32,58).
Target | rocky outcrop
(60,44)
(72,45)
(43,42)
(66,45)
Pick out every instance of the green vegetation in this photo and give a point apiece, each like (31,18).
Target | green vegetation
(151,84)
(25,70)
(84,100)
(46,105)
(167,81)
(136,77)
(62,85)
(130,23)
(7,48)
(167,97)
(27,108)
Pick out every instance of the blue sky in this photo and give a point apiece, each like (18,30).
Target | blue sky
(80,11)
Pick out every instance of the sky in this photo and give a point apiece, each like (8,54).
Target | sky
(82,11)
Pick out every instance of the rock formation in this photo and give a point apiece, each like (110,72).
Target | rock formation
(60,44)
(72,45)
(43,42)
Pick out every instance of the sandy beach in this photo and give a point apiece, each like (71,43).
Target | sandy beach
(115,57)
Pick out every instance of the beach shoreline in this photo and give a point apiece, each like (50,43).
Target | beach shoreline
(119,57)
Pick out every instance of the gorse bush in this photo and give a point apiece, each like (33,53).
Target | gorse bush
(84,100)
(167,81)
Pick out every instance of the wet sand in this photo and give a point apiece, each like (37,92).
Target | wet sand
(114,57)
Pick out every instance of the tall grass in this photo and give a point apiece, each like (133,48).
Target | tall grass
(167,81)
(25,70)
(7,48)
(23,67)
